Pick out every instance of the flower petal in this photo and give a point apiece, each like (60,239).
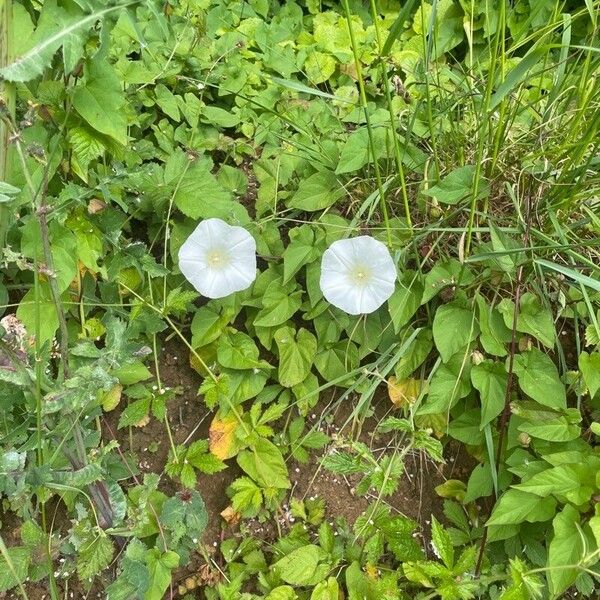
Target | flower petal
(235,243)
(338,266)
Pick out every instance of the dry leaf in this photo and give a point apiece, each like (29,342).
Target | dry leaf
(96,205)
(112,398)
(231,516)
(142,422)
(221,437)
(404,392)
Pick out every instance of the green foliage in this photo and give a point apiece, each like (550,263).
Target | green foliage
(462,134)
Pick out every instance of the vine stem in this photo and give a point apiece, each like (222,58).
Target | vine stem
(502,425)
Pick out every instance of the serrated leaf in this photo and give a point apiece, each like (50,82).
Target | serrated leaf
(442,543)
(94,555)
(33,62)
(589,365)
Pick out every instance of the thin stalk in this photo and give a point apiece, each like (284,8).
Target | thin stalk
(388,99)
(364,105)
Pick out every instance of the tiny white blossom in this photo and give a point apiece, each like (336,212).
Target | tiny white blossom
(357,274)
(218,259)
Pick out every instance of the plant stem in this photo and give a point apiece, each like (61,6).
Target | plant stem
(363,102)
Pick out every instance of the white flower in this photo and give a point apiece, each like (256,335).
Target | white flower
(357,275)
(218,259)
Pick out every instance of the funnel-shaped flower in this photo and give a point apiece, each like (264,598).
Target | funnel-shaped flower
(218,259)
(357,275)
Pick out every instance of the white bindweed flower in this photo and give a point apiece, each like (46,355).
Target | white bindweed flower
(357,274)
(218,259)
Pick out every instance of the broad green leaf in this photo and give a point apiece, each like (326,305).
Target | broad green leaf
(99,99)
(558,429)
(208,324)
(296,354)
(356,151)
(494,333)
(20,559)
(358,585)
(167,101)
(319,67)
(449,384)
(490,379)
(48,38)
(533,318)
(335,362)
(299,566)
(539,379)
(454,326)
(565,550)
(563,480)
(589,365)
(237,350)
(278,307)
(317,192)
(404,302)
(445,275)
(326,590)
(160,568)
(516,506)
(457,185)
(43,312)
(300,251)
(264,463)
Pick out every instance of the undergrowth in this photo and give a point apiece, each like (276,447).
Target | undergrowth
(461,133)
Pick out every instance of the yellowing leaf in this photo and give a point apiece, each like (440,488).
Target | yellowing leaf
(221,437)
(404,392)
(112,398)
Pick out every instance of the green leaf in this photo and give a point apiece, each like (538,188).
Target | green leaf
(516,506)
(319,67)
(299,566)
(449,384)
(563,480)
(167,101)
(300,251)
(160,568)
(445,275)
(356,152)
(494,333)
(319,191)
(589,365)
(404,302)
(100,100)
(538,378)
(94,555)
(442,543)
(557,429)
(20,559)
(565,550)
(27,309)
(454,326)
(238,351)
(33,62)
(532,318)
(278,307)
(490,379)
(457,185)
(296,354)
(264,463)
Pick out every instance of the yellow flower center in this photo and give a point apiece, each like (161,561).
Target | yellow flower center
(360,275)
(217,258)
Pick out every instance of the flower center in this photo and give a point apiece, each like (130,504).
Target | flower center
(360,275)
(217,258)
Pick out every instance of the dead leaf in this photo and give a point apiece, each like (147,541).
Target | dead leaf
(96,205)
(221,437)
(404,393)
(231,516)
(111,399)
(142,422)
